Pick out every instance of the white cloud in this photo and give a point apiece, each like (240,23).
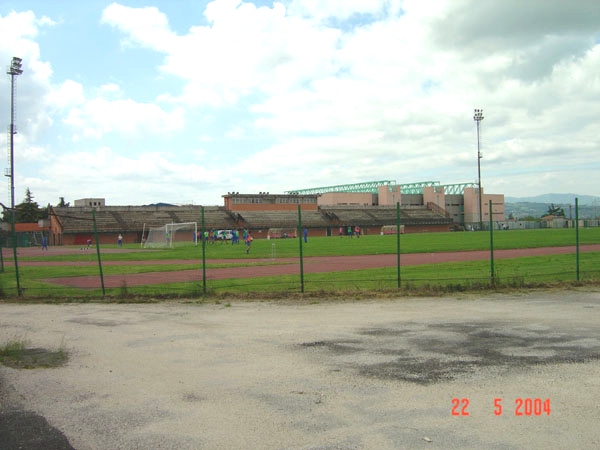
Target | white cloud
(146,26)
(17,25)
(152,175)
(308,93)
(33,153)
(68,94)
(347,9)
(110,88)
(244,49)
(99,116)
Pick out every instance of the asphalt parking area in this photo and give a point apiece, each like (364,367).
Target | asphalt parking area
(497,371)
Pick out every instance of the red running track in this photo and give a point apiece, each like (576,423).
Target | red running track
(289,266)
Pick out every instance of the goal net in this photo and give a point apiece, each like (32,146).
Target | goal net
(281,233)
(172,235)
(391,229)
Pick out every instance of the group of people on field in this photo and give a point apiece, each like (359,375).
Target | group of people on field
(350,231)
(212,236)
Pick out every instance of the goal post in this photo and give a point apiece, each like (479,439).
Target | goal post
(281,233)
(391,229)
(179,234)
(172,235)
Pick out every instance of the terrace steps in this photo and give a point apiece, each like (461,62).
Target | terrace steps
(117,219)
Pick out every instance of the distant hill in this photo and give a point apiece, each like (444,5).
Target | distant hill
(589,206)
(160,204)
(563,199)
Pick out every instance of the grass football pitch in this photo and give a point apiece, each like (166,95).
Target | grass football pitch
(36,280)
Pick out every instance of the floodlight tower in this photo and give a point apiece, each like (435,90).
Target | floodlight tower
(14,70)
(478,117)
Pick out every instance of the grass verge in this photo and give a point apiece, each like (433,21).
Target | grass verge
(18,355)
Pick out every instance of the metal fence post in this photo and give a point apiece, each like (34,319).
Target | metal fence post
(98,251)
(300,244)
(398,230)
(577,238)
(203,252)
(492,275)
(14,246)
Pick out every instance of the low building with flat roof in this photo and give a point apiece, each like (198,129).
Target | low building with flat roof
(91,202)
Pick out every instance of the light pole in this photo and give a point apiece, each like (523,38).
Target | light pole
(14,70)
(478,117)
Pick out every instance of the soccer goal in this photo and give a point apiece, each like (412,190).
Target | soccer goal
(391,229)
(172,235)
(281,233)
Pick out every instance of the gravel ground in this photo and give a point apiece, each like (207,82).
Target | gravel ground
(381,374)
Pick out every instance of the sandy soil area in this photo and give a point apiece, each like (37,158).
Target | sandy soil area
(382,374)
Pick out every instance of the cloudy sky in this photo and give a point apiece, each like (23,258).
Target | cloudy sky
(185,100)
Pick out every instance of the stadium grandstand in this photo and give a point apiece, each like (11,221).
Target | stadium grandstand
(424,207)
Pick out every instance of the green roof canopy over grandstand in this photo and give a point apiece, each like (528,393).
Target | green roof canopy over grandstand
(373,187)
(369,186)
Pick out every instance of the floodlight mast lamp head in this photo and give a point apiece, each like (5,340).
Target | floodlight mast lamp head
(478,117)
(15,66)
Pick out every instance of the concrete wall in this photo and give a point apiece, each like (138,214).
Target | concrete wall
(498,207)
(346,198)
(412,200)
(104,238)
(435,195)
(269,202)
(471,205)
(389,195)
(272,207)
(455,207)
(92,202)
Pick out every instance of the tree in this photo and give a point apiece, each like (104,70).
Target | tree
(528,219)
(27,211)
(62,203)
(555,211)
